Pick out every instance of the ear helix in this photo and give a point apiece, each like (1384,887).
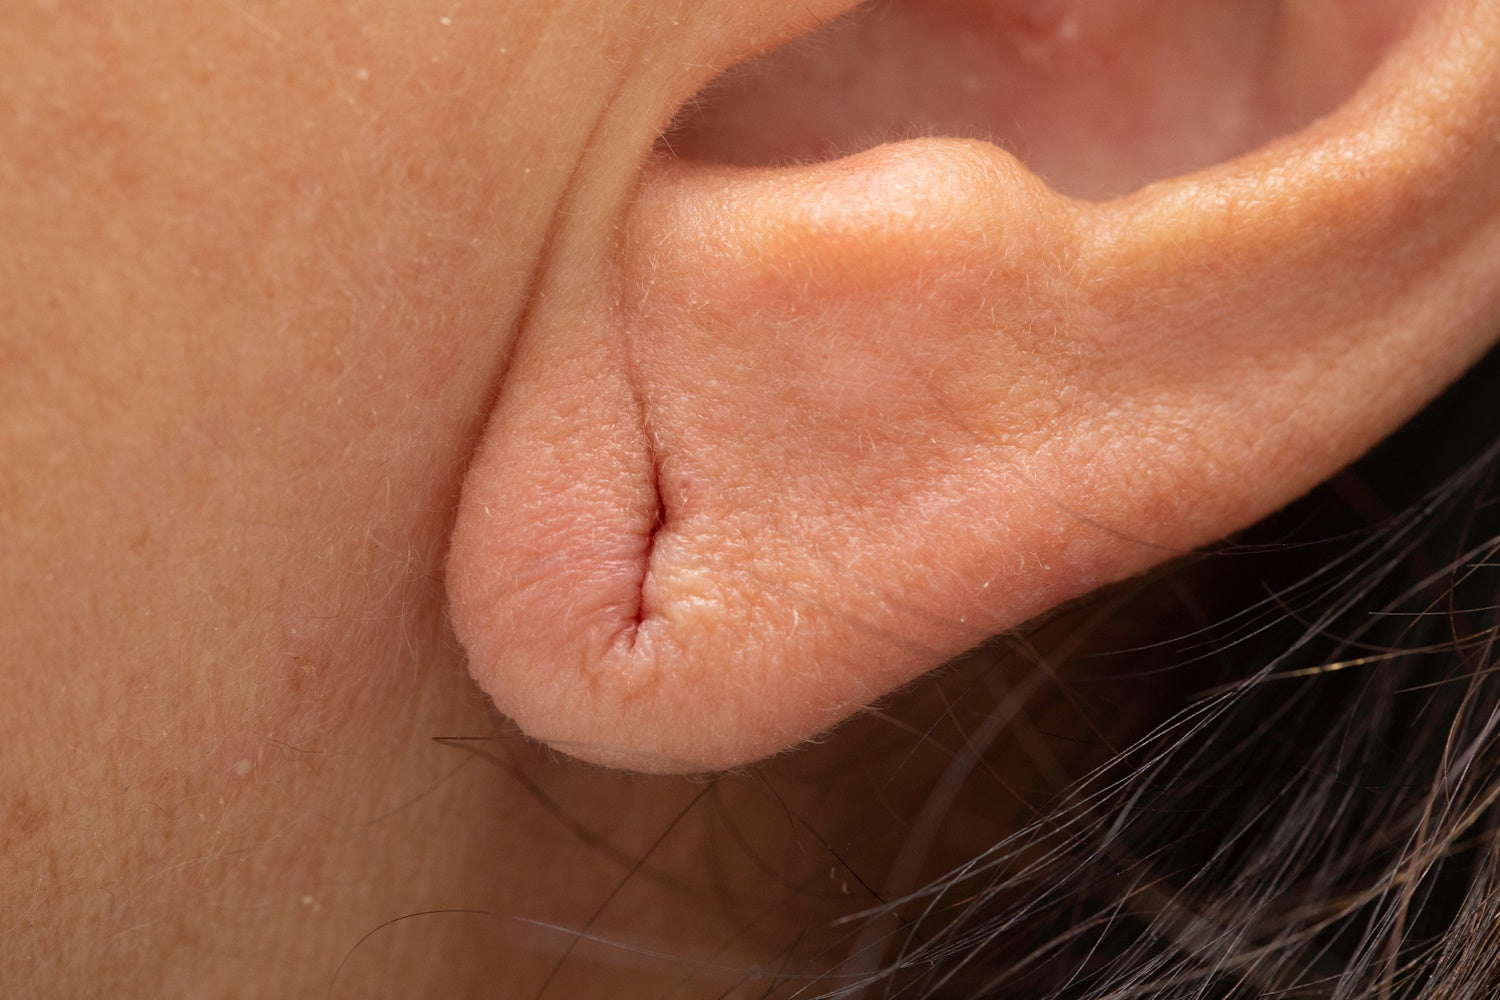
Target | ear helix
(809,431)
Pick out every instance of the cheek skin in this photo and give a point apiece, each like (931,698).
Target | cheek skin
(257,281)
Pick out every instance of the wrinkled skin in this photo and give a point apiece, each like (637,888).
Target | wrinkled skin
(288,291)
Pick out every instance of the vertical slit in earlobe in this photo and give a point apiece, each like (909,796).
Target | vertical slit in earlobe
(653,520)
(658,521)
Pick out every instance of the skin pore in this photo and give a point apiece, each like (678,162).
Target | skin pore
(288,289)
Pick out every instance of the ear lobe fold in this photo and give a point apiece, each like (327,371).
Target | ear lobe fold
(702,482)
(813,430)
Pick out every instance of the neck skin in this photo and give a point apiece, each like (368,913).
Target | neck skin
(262,271)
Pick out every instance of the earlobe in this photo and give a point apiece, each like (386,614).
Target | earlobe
(754,449)
(809,431)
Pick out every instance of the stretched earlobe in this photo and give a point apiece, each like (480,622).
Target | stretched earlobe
(809,431)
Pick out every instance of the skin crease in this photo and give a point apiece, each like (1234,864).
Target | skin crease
(264,269)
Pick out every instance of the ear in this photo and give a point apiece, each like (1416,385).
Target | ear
(812,430)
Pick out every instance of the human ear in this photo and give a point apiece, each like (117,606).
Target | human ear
(807,431)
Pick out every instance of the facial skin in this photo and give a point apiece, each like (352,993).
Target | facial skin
(324,327)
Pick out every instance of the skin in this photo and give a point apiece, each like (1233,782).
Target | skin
(321,323)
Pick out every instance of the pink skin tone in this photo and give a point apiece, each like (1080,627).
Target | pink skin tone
(347,351)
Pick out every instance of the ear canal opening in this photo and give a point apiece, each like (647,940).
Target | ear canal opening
(1096,97)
